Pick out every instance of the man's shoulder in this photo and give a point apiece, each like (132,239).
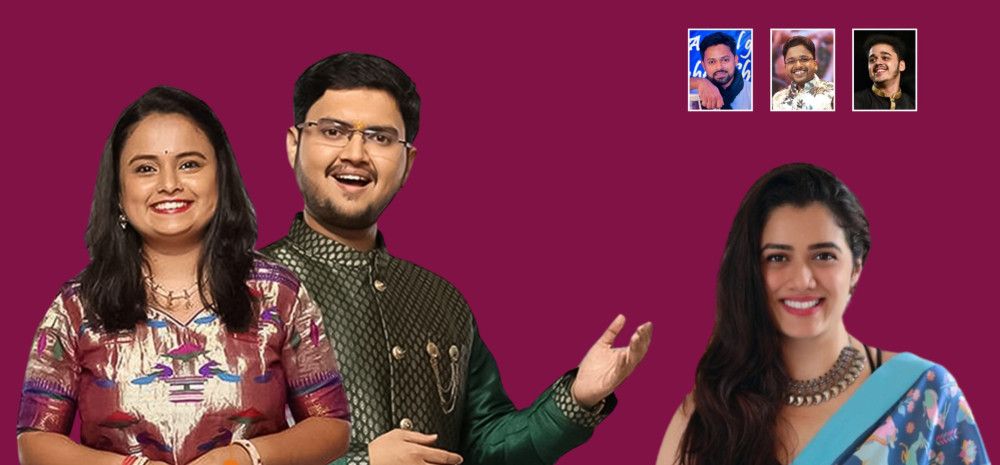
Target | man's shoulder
(275,247)
(283,251)
(823,86)
(418,274)
(906,102)
(864,99)
(744,100)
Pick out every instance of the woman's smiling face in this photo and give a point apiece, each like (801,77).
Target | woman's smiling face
(168,169)
(808,269)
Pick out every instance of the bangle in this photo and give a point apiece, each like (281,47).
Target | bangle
(251,450)
(135,460)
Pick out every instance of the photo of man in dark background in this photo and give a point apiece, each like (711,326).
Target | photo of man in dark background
(885,69)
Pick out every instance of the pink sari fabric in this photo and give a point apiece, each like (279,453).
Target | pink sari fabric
(174,391)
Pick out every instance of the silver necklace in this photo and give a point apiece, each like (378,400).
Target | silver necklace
(169,295)
(815,391)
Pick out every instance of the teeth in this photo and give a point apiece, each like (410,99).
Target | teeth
(351,177)
(801,305)
(169,205)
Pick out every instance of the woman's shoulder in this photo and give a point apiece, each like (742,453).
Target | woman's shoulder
(69,288)
(682,416)
(935,373)
(265,270)
(900,358)
(930,372)
(66,308)
(936,389)
(68,296)
(675,431)
(686,408)
(883,356)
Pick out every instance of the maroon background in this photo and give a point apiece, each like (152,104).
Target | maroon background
(560,178)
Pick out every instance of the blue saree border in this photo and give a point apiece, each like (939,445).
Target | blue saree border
(867,406)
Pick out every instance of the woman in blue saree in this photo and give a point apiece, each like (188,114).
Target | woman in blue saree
(782,380)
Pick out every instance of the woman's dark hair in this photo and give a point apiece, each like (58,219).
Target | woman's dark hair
(350,70)
(740,380)
(111,286)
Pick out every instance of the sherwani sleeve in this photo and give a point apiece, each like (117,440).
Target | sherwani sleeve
(494,432)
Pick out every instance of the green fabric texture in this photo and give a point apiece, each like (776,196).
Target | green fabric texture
(494,432)
(411,357)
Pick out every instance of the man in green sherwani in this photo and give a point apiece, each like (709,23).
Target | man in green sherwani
(422,386)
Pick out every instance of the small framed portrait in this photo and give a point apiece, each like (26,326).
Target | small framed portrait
(885,69)
(720,69)
(802,69)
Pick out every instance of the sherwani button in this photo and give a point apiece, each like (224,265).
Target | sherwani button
(406,424)
(398,353)
(379,285)
(432,350)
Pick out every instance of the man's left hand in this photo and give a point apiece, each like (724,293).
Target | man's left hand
(605,367)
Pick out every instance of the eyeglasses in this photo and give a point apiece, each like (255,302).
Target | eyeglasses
(801,60)
(338,134)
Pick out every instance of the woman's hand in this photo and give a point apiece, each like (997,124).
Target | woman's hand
(229,455)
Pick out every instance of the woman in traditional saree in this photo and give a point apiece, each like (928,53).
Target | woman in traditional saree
(782,381)
(177,343)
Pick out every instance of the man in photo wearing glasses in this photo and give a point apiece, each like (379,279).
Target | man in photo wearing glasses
(422,386)
(806,91)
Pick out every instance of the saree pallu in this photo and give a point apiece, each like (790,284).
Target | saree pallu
(909,412)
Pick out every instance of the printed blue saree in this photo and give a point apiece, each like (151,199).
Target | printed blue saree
(909,412)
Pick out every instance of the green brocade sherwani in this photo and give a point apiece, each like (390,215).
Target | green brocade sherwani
(411,358)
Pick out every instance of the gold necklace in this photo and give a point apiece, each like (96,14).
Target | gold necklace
(172,295)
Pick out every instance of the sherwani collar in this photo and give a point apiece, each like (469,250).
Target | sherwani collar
(329,251)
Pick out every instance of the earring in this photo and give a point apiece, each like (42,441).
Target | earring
(122,220)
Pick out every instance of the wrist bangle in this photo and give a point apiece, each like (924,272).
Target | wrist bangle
(251,450)
(135,460)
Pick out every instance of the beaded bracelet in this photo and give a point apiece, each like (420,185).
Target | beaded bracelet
(251,449)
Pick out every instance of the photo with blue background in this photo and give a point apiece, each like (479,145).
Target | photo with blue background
(744,50)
